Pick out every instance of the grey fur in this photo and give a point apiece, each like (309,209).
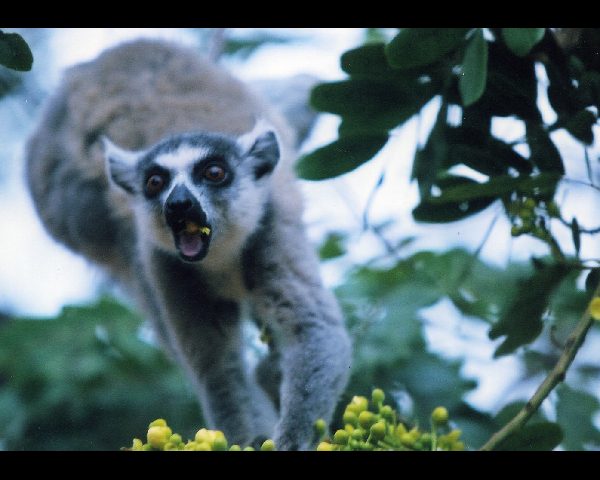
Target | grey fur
(146,96)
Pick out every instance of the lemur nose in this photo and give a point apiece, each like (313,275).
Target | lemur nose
(180,205)
(180,200)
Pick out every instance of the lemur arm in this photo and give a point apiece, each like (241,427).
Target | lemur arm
(308,331)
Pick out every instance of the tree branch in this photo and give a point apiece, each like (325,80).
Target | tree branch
(556,375)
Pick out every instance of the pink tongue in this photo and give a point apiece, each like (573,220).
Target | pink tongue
(190,244)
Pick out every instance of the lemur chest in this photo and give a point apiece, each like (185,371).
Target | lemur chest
(226,282)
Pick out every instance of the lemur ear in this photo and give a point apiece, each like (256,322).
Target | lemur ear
(120,165)
(261,147)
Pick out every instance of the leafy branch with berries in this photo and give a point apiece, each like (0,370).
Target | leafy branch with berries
(368,426)
(480,75)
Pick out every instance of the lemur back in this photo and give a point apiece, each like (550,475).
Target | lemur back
(154,105)
(136,94)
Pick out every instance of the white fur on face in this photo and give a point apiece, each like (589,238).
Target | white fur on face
(181,158)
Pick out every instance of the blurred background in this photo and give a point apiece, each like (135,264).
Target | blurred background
(79,368)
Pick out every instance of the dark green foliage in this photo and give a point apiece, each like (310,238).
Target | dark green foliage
(474,72)
(339,157)
(333,247)
(521,323)
(383,309)
(85,381)
(14,52)
(522,40)
(243,47)
(574,411)
(537,437)
(418,47)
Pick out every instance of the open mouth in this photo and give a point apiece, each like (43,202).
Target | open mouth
(191,240)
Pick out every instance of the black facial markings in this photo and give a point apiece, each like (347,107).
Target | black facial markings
(199,172)
(147,176)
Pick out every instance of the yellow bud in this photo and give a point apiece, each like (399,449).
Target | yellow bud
(595,308)
(349,428)
(341,437)
(175,438)
(358,404)
(219,443)
(320,427)
(440,416)
(407,439)
(414,433)
(454,435)
(378,430)
(248,449)
(350,418)
(400,430)
(387,412)
(358,434)
(204,435)
(378,396)
(190,446)
(458,447)
(170,446)
(267,446)
(203,447)
(366,419)
(324,447)
(159,422)
(235,448)
(137,445)
(158,436)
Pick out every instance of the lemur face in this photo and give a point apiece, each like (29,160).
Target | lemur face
(192,191)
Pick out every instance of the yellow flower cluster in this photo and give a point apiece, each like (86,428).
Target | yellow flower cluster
(368,425)
(161,437)
(378,428)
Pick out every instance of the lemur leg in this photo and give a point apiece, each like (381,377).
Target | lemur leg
(206,334)
(308,331)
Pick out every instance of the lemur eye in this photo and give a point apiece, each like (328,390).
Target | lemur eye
(154,184)
(215,173)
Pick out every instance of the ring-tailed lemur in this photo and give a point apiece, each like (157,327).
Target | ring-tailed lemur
(196,212)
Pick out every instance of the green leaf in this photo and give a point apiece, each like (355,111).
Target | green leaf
(372,104)
(498,187)
(244,47)
(575,411)
(332,247)
(417,47)
(581,126)
(592,280)
(521,40)
(544,153)
(474,70)
(430,159)
(521,322)
(368,59)
(339,157)
(14,52)
(576,235)
(482,152)
(538,437)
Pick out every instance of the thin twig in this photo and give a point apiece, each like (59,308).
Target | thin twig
(588,165)
(556,375)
